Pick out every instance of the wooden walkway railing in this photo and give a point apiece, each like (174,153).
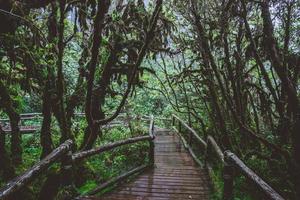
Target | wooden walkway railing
(61,154)
(85,154)
(231,163)
(64,155)
(29,129)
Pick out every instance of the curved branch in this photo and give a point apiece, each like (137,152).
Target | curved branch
(142,53)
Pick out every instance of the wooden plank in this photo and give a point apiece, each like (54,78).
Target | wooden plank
(170,195)
(130,197)
(166,190)
(117,179)
(167,186)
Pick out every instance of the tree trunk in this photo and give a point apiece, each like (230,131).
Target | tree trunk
(16,138)
(6,103)
(66,132)
(292,96)
(7,171)
(46,140)
(91,107)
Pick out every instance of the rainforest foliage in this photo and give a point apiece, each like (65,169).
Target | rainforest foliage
(230,68)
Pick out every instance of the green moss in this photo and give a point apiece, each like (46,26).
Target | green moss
(88,186)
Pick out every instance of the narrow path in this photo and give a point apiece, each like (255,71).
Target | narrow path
(175,175)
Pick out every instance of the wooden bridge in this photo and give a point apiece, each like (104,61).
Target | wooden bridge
(174,170)
(175,175)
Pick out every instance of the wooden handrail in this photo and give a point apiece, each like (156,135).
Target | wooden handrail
(199,139)
(27,116)
(32,129)
(187,144)
(229,161)
(107,147)
(21,118)
(211,142)
(157,118)
(30,114)
(84,154)
(28,176)
(238,164)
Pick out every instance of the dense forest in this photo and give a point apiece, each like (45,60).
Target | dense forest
(90,71)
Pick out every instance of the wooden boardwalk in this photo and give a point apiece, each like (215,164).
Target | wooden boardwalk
(23,129)
(175,175)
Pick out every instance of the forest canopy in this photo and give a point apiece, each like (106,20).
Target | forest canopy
(230,68)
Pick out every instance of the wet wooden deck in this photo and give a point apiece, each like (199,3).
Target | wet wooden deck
(175,175)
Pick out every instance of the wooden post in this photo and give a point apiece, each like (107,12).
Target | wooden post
(151,152)
(190,138)
(173,120)
(207,153)
(228,175)
(179,126)
(151,144)
(152,128)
